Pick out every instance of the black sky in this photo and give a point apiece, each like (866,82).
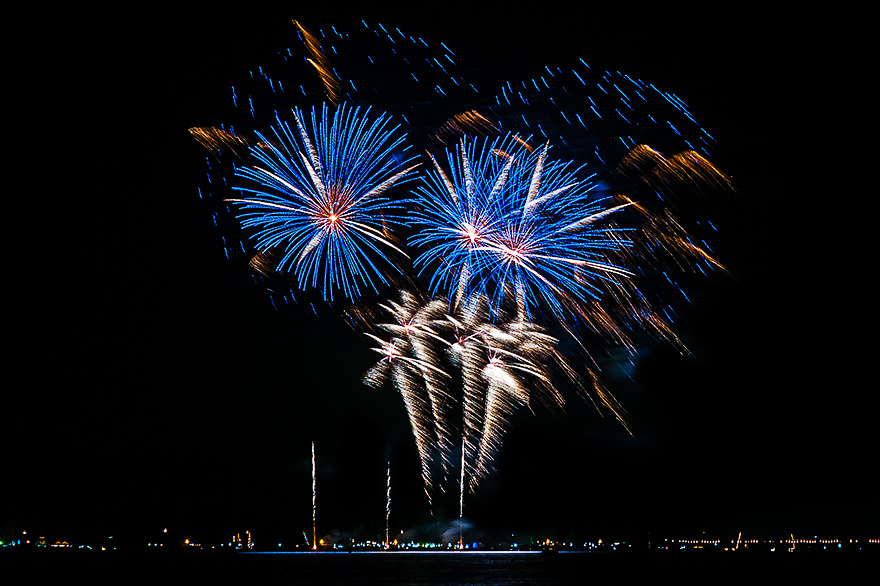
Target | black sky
(153,386)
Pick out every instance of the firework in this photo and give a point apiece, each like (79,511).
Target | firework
(513,238)
(323,201)
(504,366)
(410,359)
(513,225)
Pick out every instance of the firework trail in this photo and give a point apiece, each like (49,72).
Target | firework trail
(314,500)
(507,367)
(504,365)
(410,360)
(387,505)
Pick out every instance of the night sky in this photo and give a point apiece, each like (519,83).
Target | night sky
(153,385)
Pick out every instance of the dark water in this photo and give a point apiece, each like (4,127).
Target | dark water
(440,569)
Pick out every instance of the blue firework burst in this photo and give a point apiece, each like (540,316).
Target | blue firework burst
(510,224)
(321,202)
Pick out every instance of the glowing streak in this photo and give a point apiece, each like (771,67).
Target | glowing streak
(387,505)
(314,501)
(321,64)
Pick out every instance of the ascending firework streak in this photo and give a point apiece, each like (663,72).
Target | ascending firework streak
(387,505)
(461,502)
(314,501)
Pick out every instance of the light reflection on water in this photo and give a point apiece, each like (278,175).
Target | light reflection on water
(442,568)
(397,552)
